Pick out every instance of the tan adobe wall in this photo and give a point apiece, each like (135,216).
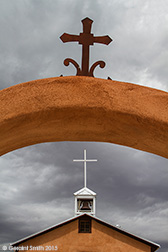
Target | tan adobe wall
(102,239)
(84,109)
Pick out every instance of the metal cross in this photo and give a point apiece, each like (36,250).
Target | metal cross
(85,161)
(85,39)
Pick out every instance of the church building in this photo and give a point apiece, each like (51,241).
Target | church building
(84,232)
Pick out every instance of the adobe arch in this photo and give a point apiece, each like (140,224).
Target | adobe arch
(84,109)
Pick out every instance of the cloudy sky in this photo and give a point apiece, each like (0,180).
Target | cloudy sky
(37,182)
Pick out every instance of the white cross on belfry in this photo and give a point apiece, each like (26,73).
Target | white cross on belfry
(85,161)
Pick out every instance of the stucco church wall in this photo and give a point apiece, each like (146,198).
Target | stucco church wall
(102,239)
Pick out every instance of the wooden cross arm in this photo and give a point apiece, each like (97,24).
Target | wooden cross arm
(103,39)
(69,38)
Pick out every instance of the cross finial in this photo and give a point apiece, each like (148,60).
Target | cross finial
(84,160)
(86,39)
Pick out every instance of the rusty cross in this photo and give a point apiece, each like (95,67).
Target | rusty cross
(85,39)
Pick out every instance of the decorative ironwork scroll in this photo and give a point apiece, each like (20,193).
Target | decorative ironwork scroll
(86,39)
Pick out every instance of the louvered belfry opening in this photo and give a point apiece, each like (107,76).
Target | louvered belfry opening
(85,204)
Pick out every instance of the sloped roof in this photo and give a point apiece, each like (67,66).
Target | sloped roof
(154,246)
(85,192)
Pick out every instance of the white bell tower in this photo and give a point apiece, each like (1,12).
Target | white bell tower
(85,199)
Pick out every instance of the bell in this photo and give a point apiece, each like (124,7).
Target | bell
(85,205)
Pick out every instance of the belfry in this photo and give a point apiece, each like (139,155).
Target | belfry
(85,199)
